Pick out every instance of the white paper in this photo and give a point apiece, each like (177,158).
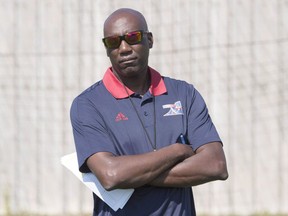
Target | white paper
(115,199)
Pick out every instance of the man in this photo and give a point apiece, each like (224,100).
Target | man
(128,126)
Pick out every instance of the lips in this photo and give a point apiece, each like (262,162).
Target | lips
(127,60)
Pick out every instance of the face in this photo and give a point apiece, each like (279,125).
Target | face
(128,60)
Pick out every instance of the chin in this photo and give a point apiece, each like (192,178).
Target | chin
(130,71)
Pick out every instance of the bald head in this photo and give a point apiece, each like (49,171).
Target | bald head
(121,17)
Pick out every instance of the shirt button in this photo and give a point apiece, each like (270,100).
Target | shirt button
(145,113)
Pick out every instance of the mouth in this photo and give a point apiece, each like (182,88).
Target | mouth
(127,60)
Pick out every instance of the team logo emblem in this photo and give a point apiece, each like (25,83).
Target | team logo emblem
(175,109)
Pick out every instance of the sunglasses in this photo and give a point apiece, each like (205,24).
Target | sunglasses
(131,38)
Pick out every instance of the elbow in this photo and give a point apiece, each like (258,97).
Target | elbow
(110,180)
(104,167)
(220,171)
(224,175)
(108,183)
(108,186)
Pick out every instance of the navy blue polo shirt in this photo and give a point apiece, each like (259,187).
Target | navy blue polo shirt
(104,120)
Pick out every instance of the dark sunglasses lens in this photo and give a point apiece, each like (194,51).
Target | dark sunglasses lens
(133,37)
(112,42)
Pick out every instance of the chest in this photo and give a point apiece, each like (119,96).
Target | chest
(138,125)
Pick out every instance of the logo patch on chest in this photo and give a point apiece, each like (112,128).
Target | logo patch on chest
(174,109)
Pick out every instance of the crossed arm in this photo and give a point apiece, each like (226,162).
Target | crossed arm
(172,166)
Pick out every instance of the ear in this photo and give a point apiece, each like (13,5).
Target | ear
(150,39)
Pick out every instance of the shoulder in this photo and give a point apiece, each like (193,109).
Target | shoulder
(185,91)
(92,93)
(91,90)
(181,86)
(88,98)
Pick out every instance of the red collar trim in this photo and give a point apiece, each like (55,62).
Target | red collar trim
(115,87)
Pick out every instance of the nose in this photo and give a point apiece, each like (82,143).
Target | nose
(124,47)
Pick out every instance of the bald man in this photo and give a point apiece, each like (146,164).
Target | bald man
(138,129)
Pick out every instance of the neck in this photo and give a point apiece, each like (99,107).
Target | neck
(138,84)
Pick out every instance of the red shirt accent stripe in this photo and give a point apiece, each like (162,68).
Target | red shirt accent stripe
(115,87)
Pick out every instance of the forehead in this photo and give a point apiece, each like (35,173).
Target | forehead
(120,24)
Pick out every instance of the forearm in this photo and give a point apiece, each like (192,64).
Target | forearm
(200,168)
(136,170)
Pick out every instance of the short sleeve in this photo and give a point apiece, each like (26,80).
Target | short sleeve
(89,131)
(201,129)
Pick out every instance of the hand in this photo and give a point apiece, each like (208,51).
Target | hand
(208,164)
(185,149)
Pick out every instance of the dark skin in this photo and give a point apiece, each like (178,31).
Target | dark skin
(129,63)
(176,165)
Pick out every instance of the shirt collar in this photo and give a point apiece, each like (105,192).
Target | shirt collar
(115,87)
